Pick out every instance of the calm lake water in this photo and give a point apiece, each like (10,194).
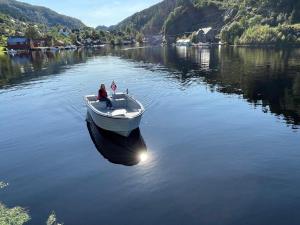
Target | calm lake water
(221,134)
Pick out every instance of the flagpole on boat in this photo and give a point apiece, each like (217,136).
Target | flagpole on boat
(113,86)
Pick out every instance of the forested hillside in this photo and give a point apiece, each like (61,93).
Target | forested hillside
(151,20)
(37,14)
(236,21)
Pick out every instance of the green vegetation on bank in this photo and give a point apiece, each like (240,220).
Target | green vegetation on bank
(13,216)
(262,22)
(264,34)
(235,21)
(36,14)
(21,19)
(18,215)
(60,36)
(240,22)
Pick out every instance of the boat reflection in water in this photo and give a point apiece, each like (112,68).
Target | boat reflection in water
(128,151)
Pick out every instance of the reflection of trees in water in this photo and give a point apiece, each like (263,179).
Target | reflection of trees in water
(170,59)
(263,76)
(268,77)
(23,67)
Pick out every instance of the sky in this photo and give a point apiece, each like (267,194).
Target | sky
(96,12)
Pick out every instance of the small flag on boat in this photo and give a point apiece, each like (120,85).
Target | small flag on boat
(113,86)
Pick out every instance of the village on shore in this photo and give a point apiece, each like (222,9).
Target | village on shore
(32,40)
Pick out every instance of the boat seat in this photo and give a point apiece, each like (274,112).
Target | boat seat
(119,103)
(119,112)
(99,104)
(132,114)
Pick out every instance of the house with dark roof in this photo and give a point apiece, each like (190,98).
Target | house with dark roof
(42,42)
(205,35)
(19,43)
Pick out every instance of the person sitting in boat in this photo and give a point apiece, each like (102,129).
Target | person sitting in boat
(102,96)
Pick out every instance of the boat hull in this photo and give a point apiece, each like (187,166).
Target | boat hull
(121,126)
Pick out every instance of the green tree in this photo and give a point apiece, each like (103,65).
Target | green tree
(230,33)
(73,38)
(261,35)
(13,216)
(194,37)
(139,37)
(102,33)
(32,32)
(128,30)
(3,40)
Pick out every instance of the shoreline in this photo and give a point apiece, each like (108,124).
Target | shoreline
(207,45)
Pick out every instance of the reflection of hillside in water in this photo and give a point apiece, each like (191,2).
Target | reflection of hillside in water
(23,67)
(201,58)
(267,77)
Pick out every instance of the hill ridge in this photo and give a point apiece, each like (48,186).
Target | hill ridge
(37,14)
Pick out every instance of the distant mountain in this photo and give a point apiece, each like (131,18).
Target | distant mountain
(37,14)
(102,27)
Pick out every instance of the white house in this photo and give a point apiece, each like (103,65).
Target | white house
(64,31)
(184,42)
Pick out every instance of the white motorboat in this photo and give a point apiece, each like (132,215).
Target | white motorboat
(12,52)
(54,49)
(122,119)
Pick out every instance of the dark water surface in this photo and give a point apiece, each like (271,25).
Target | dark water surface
(221,134)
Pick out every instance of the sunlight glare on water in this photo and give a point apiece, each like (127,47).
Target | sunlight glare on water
(217,144)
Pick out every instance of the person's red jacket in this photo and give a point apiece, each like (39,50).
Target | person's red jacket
(102,94)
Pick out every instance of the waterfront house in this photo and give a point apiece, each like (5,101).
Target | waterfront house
(59,43)
(19,43)
(42,42)
(184,42)
(206,34)
(64,31)
(87,42)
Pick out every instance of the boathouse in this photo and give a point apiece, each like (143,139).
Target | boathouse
(19,43)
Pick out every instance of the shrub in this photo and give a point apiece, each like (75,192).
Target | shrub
(13,216)
(2,184)
(256,20)
(139,37)
(231,32)
(260,35)
(52,220)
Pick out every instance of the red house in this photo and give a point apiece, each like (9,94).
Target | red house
(42,42)
(19,43)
